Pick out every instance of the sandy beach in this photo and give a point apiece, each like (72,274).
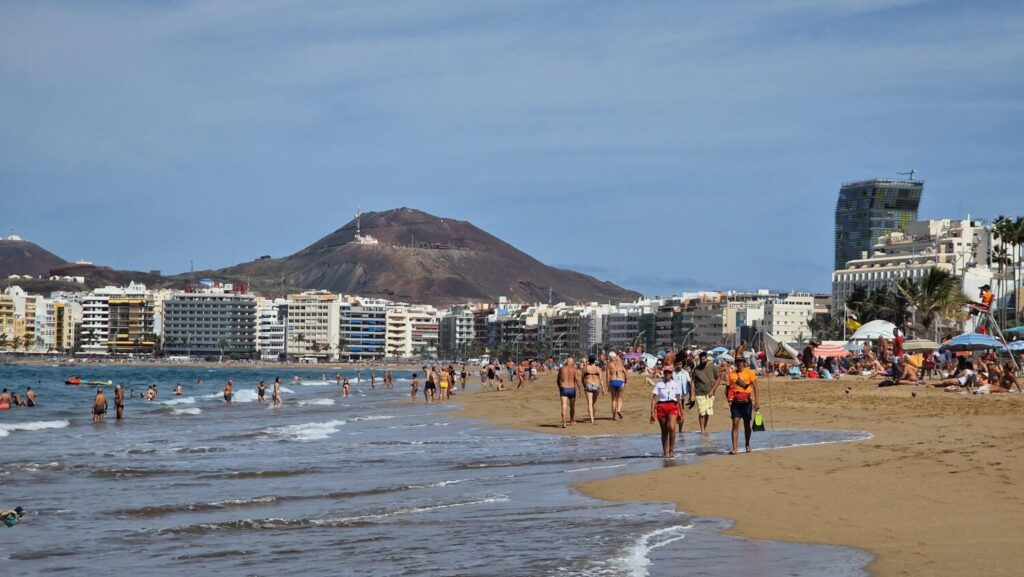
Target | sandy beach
(933,492)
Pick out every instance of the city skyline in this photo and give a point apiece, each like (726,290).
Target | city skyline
(143,137)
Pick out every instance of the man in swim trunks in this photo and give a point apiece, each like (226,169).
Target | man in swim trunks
(665,398)
(229,392)
(617,380)
(119,401)
(430,388)
(99,407)
(742,397)
(592,385)
(568,383)
(702,391)
(30,397)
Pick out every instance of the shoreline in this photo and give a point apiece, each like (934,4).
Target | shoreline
(932,490)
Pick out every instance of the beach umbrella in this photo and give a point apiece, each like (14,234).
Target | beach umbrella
(631,356)
(834,351)
(920,345)
(726,357)
(718,350)
(872,330)
(972,342)
(1019,329)
(1016,346)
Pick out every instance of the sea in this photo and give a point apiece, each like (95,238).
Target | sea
(367,485)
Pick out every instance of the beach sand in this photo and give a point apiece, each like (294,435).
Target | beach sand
(935,491)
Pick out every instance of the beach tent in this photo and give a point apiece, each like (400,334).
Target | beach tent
(972,342)
(853,347)
(834,351)
(650,359)
(872,330)
(920,345)
(780,352)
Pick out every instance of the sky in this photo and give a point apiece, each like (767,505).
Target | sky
(665,146)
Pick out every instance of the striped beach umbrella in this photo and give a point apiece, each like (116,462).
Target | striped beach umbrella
(920,345)
(836,351)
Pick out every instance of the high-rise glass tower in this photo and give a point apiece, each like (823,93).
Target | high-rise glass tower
(867,209)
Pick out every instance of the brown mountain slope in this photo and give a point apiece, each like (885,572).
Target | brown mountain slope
(426,259)
(22,257)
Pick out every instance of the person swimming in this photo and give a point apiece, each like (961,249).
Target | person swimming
(12,517)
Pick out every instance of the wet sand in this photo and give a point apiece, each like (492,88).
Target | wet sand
(934,492)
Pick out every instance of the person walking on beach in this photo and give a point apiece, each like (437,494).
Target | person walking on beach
(415,386)
(743,401)
(119,402)
(276,394)
(665,398)
(229,392)
(592,386)
(462,377)
(568,383)
(705,383)
(99,407)
(344,387)
(683,382)
(617,380)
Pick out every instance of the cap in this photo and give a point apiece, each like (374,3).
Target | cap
(612,355)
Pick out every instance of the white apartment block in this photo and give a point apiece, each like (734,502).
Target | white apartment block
(95,330)
(787,319)
(412,331)
(313,325)
(271,318)
(958,246)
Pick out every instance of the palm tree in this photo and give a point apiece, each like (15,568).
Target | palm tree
(342,343)
(935,296)
(3,341)
(222,344)
(1010,233)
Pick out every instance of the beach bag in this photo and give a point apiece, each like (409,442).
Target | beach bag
(758,421)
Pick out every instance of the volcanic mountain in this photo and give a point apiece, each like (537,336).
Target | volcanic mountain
(421,258)
(22,257)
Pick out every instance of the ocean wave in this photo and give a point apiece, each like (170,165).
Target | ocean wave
(305,402)
(179,401)
(7,428)
(163,510)
(305,431)
(283,524)
(419,426)
(188,411)
(199,450)
(271,474)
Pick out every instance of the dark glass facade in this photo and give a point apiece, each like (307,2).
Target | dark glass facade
(867,209)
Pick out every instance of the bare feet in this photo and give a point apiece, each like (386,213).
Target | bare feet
(749,449)
(732,452)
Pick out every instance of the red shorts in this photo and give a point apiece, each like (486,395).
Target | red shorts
(666,410)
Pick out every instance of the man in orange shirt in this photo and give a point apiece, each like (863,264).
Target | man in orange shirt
(743,401)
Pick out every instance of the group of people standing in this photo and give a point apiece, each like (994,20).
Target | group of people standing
(12,399)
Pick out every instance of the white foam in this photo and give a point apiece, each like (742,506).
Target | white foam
(5,429)
(305,431)
(252,501)
(595,468)
(179,401)
(635,560)
(316,383)
(188,411)
(374,418)
(286,390)
(315,401)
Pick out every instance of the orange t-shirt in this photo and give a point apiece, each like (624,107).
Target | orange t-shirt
(741,384)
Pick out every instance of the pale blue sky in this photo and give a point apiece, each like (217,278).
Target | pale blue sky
(664,146)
